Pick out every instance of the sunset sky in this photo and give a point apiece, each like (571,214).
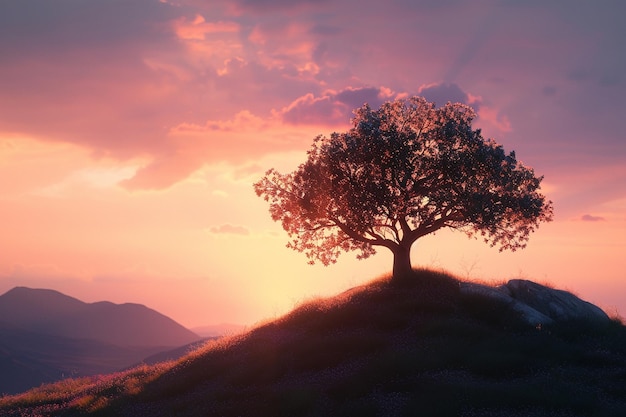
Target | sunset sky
(131,133)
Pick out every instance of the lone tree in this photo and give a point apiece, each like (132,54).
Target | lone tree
(401,172)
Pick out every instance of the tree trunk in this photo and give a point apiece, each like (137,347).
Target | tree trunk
(402,270)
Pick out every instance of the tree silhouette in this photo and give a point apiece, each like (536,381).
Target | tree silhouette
(401,172)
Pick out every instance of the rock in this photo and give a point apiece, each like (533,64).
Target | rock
(557,304)
(538,305)
(526,313)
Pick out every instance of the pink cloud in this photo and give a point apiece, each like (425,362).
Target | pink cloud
(192,145)
(229,229)
(236,141)
(243,120)
(199,28)
(169,81)
(206,45)
(286,45)
(162,172)
(493,118)
(253,170)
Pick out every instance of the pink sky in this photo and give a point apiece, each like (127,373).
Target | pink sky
(131,134)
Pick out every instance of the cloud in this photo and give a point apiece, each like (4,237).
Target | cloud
(52,27)
(78,73)
(162,173)
(591,218)
(229,229)
(288,45)
(176,84)
(242,120)
(333,108)
(248,171)
(199,28)
(166,81)
(266,6)
(236,141)
(441,93)
(493,118)
(206,45)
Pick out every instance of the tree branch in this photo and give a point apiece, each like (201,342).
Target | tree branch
(359,237)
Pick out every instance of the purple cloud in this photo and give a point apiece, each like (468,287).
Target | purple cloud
(273,5)
(357,97)
(440,94)
(590,218)
(332,107)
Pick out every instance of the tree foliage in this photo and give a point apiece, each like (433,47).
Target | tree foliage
(401,172)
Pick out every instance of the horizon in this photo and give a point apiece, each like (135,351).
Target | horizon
(130,137)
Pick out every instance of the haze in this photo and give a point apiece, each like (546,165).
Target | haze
(131,134)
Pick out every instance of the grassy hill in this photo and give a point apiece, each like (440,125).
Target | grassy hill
(376,350)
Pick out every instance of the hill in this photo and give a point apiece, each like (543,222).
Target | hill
(53,313)
(377,350)
(46,336)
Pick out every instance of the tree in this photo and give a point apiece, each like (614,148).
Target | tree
(401,172)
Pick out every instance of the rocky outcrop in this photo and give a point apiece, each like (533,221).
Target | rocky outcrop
(556,304)
(537,304)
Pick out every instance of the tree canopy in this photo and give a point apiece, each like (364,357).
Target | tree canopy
(401,172)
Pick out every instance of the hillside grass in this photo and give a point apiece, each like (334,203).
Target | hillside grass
(375,350)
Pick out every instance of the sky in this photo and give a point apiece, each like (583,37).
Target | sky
(131,134)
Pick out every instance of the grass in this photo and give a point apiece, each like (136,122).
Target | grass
(376,350)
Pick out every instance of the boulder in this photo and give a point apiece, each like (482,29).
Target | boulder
(536,304)
(525,312)
(557,304)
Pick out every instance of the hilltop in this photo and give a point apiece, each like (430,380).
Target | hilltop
(428,348)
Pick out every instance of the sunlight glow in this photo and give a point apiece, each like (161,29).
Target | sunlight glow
(127,157)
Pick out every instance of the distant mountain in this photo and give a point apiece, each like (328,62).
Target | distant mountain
(53,313)
(46,336)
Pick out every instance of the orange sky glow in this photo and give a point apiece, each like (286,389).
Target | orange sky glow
(131,135)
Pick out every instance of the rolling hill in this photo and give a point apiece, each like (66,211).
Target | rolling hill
(46,336)
(428,348)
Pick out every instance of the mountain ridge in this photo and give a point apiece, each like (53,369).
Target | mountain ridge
(46,335)
(129,324)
